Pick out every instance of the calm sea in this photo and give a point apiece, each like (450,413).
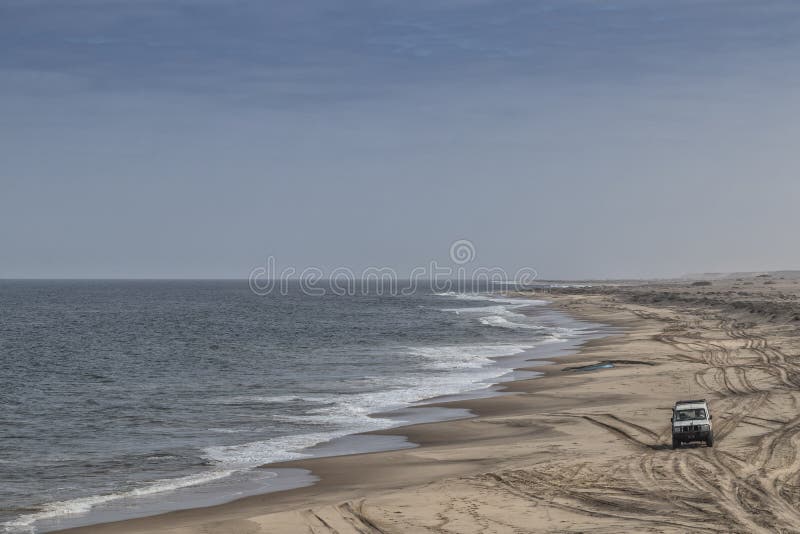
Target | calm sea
(125,397)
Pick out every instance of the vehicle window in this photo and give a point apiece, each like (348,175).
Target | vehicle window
(685,415)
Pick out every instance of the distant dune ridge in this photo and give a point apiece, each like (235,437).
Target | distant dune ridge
(788,275)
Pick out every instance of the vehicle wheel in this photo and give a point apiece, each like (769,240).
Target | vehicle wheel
(710,440)
(675,444)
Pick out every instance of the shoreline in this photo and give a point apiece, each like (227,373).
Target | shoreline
(576,451)
(294,476)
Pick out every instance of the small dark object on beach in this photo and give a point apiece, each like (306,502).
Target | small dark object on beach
(592,367)
(701,283)
(606,364)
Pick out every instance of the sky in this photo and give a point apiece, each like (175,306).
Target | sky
(580,138)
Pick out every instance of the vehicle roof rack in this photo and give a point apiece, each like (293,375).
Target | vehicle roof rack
(696,401)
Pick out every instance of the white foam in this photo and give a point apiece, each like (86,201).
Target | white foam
(342,415)
(256,453)
(265,399)
(348,414)
(502,322)
(493,298)
(498,314)
(495,310)
(72,507)
(466,356)
(228,430)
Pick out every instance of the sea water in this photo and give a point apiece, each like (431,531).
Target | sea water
(121,398)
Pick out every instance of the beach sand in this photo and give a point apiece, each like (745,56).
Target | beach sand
(579,451)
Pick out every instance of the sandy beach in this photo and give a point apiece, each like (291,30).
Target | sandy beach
(578,451)
(408,267)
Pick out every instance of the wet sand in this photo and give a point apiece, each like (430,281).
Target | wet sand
(577,450)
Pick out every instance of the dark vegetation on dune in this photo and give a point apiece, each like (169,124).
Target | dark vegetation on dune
(775,305)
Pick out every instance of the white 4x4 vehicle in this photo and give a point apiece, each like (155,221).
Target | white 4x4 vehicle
(691,421)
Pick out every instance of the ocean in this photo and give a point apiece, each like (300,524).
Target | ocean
(126,398)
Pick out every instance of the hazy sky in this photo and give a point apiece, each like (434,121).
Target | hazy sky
(193,138)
